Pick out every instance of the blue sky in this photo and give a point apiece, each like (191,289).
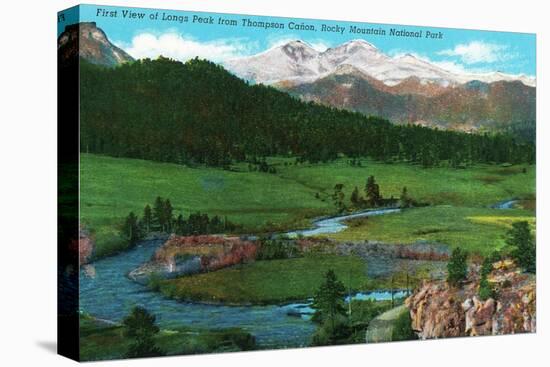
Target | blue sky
(459,50)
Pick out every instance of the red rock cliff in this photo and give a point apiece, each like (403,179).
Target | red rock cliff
(440,311)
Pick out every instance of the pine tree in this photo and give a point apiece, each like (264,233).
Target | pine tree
(158,213)
(457,267)
(168,211)
(329,299)
(131,228)
(356,199)
(147,218)
(180,225)
(525,251)
(486,290)
(404,200)
(372,191)
(338,197)
(140,326)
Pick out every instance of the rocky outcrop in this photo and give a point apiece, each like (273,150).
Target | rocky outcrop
(86,246)
(415,251)
(89,42)
(439,310)
(186,255)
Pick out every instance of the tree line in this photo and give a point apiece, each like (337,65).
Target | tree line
(161,218)
(372,199)
(198,113)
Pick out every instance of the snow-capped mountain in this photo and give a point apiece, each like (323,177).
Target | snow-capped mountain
(297,62)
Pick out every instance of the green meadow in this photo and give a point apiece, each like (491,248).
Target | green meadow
(267,282)
(479,230)
(459,199)
(112,187)
(477,186)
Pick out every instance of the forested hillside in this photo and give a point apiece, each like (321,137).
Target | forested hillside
(198,113)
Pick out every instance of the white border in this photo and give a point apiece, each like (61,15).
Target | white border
(28,182)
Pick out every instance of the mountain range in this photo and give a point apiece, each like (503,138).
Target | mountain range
(298,62)
(358,76)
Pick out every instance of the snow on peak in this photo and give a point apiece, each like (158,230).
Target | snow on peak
(298,61)
(359,43)
(299,51)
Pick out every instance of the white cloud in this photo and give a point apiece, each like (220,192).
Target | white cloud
(478,52)
(182,47)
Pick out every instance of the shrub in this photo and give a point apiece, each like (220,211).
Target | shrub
(277,249)
(233,339)
(333,332)
(486,291)
(402,329)
(486,267)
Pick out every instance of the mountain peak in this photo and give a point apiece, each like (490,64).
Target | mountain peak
(408,56)
(297,43)
(299,51)
(93,45)
(360,43)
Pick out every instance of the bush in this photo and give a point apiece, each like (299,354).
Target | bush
(486,291)
(333,332)
(154,282)
(277,249)
(233,339)
(486,267)
(364,311)
(402,329)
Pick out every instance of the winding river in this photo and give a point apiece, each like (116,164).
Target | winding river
(506,204)
(336,224)
(110,295)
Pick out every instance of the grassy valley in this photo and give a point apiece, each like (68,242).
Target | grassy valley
(266,282)
(112,187)
(459,198)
